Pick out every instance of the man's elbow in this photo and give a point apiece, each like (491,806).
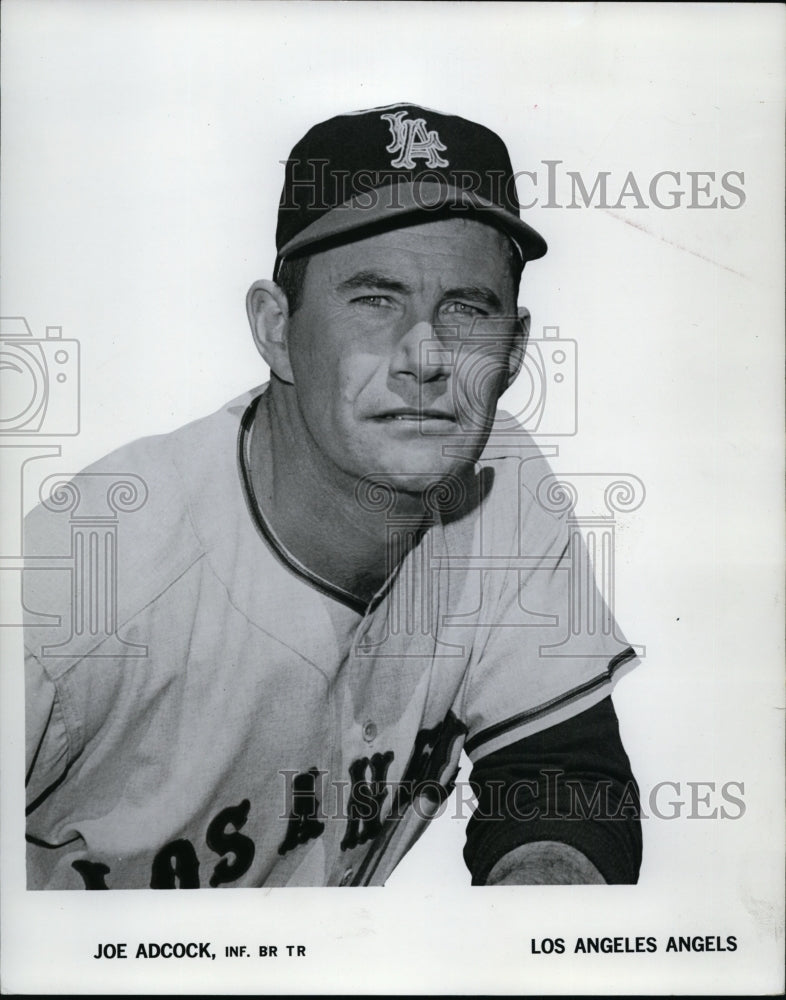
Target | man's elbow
(544,862)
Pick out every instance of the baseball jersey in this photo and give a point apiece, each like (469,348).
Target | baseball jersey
(202,711)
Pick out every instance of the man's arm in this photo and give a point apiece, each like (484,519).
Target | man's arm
(558,807)
(545,862)
(46,739)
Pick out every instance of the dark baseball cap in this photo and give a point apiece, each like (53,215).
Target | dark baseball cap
(369,169)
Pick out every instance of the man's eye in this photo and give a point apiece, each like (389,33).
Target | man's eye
(374,301)
(463,309)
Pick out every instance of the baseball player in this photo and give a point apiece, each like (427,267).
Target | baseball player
(339,581)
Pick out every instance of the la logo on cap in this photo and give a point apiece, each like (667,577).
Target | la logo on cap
(413,141)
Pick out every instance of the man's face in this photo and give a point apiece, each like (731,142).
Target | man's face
(401,347)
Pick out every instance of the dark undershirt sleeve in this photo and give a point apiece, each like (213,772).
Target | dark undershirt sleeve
(571,783)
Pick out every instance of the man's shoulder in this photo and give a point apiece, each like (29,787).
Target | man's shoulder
(189,447)
(137,519)
(152,476)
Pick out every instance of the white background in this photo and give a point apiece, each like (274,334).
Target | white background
(140,181)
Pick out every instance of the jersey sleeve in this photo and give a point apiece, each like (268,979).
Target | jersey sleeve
(46,735)
(46,593)
(550,647)
(571,783)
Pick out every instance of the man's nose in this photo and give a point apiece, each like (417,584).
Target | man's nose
(421,354)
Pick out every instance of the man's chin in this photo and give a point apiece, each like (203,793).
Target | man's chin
(426,474)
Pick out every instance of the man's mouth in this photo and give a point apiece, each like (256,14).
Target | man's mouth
(411,415)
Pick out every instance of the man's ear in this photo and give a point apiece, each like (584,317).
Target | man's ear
(516,356)
(268,314)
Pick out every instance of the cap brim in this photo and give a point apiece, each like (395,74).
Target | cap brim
(403,200)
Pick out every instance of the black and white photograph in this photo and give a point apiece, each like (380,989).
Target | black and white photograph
(392,498)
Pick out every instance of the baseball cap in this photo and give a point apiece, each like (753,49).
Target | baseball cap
(369,169)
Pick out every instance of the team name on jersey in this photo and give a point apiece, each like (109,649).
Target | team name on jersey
(430,771)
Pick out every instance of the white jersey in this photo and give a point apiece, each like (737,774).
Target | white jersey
(235,722)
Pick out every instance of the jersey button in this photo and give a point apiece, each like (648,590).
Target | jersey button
(369,732)
(346,878)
